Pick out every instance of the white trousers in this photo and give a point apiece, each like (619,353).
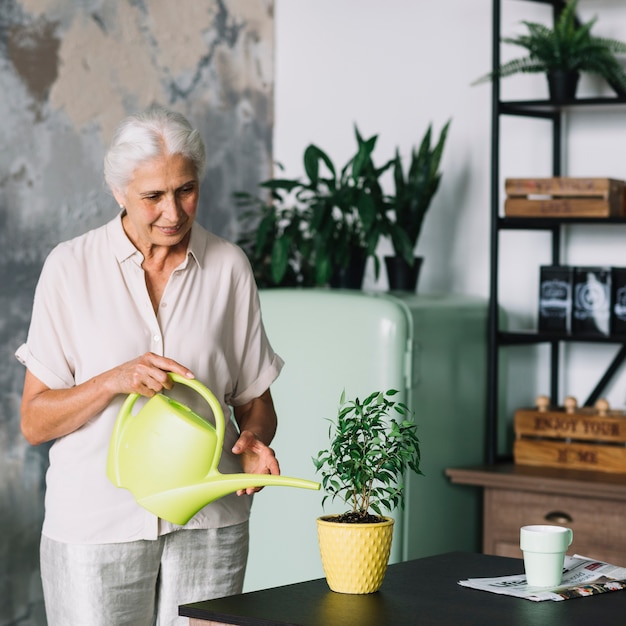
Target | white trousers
(141,583)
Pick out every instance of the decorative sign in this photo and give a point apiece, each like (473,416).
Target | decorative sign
(572,437)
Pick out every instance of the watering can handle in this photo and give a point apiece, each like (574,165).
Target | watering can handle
(216,408)
(126,413)
(122,418)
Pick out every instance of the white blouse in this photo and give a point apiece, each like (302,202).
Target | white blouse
(91,313)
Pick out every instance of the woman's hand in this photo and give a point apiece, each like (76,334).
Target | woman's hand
(257,426)
(256,458)
(52,413)
(147,374)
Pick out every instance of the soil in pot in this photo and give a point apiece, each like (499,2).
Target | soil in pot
(352,517)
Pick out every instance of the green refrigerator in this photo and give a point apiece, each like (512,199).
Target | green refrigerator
(431,348)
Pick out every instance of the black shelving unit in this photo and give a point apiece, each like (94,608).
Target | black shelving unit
(497,338)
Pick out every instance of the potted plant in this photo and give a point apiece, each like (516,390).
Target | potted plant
(563,52)
(322,228)
(372,444)
(407,207)
(276,237)
(346,222)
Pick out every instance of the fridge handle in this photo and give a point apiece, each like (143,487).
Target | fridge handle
(413,362)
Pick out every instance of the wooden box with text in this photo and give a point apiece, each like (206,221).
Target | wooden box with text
(564,197)
(575,438)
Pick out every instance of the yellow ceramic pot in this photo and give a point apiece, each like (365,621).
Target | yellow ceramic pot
(354,556)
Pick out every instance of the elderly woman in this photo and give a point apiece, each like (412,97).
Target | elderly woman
(115,309)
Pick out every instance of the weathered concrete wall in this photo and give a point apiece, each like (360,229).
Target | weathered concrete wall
(69,71)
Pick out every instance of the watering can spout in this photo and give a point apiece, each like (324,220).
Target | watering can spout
(181,504)
(167,456)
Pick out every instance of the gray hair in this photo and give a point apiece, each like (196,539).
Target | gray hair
(149,135)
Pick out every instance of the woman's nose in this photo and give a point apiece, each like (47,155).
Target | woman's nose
(171,210)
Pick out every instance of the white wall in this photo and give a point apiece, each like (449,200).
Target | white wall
(393,66)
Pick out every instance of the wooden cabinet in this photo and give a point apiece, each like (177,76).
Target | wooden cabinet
(592,504)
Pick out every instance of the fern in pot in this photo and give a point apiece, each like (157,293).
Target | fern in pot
(372,444)
(563,52)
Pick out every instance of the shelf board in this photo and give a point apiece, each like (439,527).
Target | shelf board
(545,107)
(552,2)
(549,223)
(561,481)
(548,105)
(531,337)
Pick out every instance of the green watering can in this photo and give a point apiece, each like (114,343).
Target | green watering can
(167,456)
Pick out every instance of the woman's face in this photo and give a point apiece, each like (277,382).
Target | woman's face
(161,202)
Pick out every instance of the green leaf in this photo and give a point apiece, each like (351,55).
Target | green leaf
(280,258)
(363,155)
(312,157)
(278,183)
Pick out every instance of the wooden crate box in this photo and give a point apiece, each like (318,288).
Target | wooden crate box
(565,197)
(571,437)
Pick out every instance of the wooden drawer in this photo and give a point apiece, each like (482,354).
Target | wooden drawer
(598,524)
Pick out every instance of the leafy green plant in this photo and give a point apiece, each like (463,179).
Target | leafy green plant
(346,218)
(276,238)
(312,227)
(569,46)
(372,443)
(414,192)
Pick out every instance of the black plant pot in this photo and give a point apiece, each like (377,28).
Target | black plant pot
(617,89)
(562,85)
(401,275)
(351,276)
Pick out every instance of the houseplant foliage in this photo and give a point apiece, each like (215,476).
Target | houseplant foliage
(345,217)
(569,47)
(311,229)
(372,444)
(276,237)
(413,193)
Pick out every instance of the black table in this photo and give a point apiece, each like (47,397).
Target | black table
(423,592)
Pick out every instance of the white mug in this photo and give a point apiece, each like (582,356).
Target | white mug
(544,549)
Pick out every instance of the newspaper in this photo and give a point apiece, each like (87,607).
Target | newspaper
(581,577)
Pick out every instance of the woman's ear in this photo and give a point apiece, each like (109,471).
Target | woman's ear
(119,198)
